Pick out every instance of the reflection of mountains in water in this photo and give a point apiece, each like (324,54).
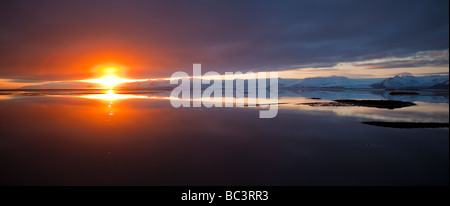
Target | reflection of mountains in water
(382,104)
(433,96)
(408,125)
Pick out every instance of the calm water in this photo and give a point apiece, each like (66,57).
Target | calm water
(136,138)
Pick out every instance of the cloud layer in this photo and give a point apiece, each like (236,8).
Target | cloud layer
(64,40)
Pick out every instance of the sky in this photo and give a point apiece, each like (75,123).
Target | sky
(67,40)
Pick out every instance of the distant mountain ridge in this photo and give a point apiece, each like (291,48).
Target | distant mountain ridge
(396,82)
(412,82)
(327,82)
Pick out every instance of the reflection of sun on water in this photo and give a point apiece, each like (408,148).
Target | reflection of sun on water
(111,96)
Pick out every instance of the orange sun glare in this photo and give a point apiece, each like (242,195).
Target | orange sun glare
(110,78)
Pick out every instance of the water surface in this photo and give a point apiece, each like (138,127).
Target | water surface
(78,137)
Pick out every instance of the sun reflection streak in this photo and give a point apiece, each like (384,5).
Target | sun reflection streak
(111,96)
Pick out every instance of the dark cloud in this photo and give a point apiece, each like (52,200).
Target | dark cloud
(436,73)
(53,39)
(420,59)
(405,64)
(404,74)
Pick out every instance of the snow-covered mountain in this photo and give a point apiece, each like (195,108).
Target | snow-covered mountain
(327,82)
(397,82)
(412,82)
(318,82)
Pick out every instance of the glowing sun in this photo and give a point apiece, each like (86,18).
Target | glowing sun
(110,78)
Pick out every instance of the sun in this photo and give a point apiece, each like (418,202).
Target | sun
(110,78)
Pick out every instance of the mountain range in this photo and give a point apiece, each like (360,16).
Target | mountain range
(396,82)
